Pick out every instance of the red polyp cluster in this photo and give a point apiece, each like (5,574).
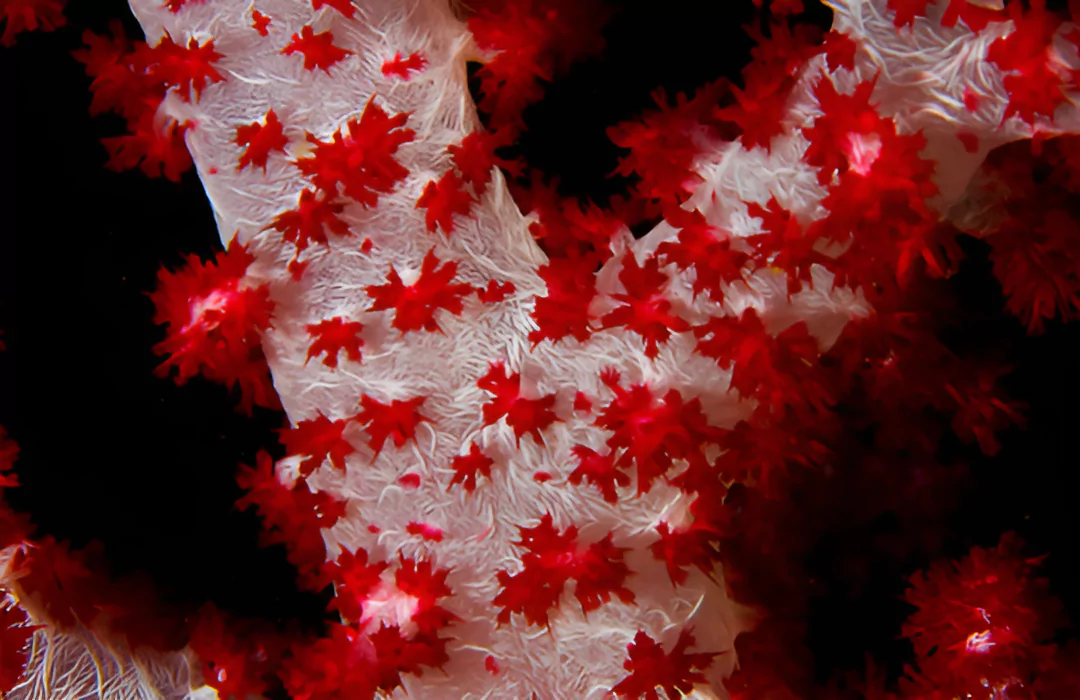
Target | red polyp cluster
(553,558)
(653,431)
(291,514)
(984,622)
(131,79)
(1032,249)
(213,324)
(651,667)
(358,162)
(19,16)
(414,305)
(531,41)
(664,144)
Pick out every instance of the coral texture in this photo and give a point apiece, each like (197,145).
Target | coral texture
(505,506)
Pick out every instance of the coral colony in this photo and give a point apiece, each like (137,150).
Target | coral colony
(535,456)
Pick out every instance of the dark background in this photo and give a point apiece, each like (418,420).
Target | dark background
(113,454)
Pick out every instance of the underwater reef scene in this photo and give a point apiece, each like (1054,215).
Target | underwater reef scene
(540,349)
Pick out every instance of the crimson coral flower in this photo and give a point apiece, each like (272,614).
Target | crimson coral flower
(469,466)
(1035,84)
(360,157)
(315,214)
(759,109)
(318,49)
(30,15)
(1036,264)
(530,41)
(341,664)
(564,311)
(773,370)
(176,5)
(235,665)
(599,470)
(155,146)
(530,416)
(320,438)
(566,228)
(120,83)
(213,320)
(426,585)
(332,336)
(443,198)
(979,621)
(645,309)
(293,515)
(397,420)
(414,305)
(651,667)
(707,250)
(680,549)
(783,244)
(553,558)
(664,143)
(839,50)
(768,81)
(132,82)
(475,158)
(401,66)
(259,139)
(846,134)
(260,23)
(654,430)
(763,451)
(354,578)
(187,69)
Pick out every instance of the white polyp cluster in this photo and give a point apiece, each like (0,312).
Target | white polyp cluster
(922,74)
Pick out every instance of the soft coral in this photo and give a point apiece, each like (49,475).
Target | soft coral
(653,431)
(1034,77)
(650,666)
(29,15)
(552,558)
(360,157)
(664,143)
(214,318)
(979,621)
(530,42)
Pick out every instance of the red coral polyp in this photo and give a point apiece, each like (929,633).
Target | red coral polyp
(30,15)
(189,70)
(653,431)
(1035,77)
(214,319)
(664,144)
(318,50)
(980,621)
(553,558)
(531,416)
(415,305)
(645,309)
(359,159)
(848,134)
(651,667)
